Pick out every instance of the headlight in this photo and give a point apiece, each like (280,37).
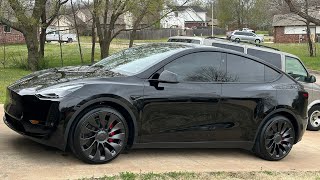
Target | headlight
(59,92)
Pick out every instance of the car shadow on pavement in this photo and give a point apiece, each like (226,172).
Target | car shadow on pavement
(29,149)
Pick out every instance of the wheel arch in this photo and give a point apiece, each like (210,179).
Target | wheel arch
(283,112)
(314,103)
(117,104)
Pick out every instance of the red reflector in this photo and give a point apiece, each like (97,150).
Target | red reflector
(305,94)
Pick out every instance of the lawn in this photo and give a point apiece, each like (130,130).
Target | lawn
(13,66)
(267,175)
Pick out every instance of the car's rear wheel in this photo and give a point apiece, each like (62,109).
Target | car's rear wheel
(237,40)
(314,118)
(257,41)
(100,135)
(275,139)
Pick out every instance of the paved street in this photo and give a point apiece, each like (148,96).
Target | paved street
(21,158)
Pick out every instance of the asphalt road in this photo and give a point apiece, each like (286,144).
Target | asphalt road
(21,158)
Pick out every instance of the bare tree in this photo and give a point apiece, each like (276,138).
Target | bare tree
(296,9)
(27,17)
(77,30)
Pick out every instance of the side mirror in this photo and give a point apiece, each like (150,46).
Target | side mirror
(168,77)
(312,79)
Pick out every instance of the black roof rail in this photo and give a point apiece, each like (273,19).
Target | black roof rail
(244,42)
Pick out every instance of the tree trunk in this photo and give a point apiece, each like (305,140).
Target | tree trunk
(310,43)
(93,40)
(104,48)
(42,42)
(132,37)
(32,46)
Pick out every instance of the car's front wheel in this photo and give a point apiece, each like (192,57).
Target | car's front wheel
(100,135)
(257,41)
(314,118)
(275,139)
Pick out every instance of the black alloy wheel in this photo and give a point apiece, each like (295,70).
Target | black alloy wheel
(100,135)
(276,139)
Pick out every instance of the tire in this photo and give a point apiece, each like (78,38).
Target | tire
(275,140)
(99,136)
(237,40)
(70,40)
(314,118)
(257,41)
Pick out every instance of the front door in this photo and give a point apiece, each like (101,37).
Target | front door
(185,111)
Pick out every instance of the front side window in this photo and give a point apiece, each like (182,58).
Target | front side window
(241,69)
(199,67)
(295,69)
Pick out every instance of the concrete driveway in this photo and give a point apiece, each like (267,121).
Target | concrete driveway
(21,158)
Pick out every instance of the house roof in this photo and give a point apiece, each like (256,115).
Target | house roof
(183,8)
(292,19)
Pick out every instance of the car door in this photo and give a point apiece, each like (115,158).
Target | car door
(185,111)
(245,97)
(294,68)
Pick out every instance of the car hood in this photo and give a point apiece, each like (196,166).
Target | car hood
(50,77)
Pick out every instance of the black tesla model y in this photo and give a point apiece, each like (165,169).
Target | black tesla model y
(161,96)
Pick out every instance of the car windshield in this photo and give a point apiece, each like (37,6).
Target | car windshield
(135,60)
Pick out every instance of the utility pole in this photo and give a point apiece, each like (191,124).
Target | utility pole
(212,19)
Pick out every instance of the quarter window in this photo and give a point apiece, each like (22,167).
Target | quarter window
(199,67)
(295,69)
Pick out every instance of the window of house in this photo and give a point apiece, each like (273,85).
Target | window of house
(199,67)
(7,29)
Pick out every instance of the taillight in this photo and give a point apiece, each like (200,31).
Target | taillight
(305,95)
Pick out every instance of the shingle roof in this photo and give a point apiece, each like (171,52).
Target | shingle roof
(292,19)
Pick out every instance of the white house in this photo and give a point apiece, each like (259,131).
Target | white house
(184,17)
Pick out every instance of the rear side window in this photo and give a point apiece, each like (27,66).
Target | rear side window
(272,58)
(270,74)
(226,46)
(241,69)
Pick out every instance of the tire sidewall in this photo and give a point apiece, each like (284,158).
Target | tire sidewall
(75,143)
(311,110)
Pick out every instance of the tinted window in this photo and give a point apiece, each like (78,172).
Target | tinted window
(272,58)
(270,74)
(199,67)
(226,46)
(295,69)
(240,69)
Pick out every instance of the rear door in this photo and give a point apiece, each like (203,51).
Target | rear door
(245,97)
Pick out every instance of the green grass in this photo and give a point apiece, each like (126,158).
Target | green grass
(8,76)
(268,175)
(301,50)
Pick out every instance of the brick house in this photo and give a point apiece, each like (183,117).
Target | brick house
(9,35)
(291,28)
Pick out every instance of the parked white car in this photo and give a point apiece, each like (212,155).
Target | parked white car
(248,30)
(64,37)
